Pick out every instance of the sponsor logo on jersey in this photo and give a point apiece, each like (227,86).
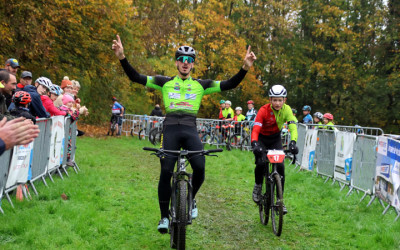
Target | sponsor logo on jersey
(258,124)
(184,105)
(190,96)
(189,87)
(172,95)
(177,87)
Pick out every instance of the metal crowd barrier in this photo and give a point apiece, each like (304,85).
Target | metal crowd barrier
(19,167)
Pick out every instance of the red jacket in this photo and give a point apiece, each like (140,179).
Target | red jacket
(49,106)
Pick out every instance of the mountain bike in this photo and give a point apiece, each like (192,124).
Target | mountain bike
(181,197)
(114,125)
(271,203)
(241,138)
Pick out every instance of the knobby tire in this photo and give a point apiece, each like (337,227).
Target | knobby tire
(277,209)
(181,214)
(264,205)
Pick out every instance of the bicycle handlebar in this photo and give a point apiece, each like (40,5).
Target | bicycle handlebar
(178,152)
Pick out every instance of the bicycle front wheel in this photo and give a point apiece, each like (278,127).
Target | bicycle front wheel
(264,206)
(181,214)
(277,205)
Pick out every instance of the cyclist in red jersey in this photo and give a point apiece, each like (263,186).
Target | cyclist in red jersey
(266,134)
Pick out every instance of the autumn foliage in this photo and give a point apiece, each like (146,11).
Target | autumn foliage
(339,56)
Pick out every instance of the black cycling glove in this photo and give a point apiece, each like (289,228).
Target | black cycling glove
(257,149)
(293,148)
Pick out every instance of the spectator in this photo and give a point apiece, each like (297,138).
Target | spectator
(328,121)
(252,112)
(156,111)
(42,86)
(9,85)
(16,132)
(228,112)
(26,79)
(318,117)
(294,111)
(238,117)
(4,78)
(66,86)
(307,119)
(21,100)
(68,103)
(75,90)
(47,101)
(12,66)
(221,109)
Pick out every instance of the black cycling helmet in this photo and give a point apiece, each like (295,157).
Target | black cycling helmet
(185,51)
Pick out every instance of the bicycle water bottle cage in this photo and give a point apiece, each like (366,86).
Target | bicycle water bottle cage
(276,156)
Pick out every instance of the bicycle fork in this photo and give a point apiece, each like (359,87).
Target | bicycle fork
(182,175)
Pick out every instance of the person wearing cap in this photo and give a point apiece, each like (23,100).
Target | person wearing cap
(8,89)
(252,112)
(12,66)
(26,79)
(5,79)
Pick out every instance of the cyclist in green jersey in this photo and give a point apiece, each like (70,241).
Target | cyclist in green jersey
(182,96)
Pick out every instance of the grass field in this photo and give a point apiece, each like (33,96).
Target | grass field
(113,204)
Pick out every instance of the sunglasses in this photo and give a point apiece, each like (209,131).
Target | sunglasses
(185,58)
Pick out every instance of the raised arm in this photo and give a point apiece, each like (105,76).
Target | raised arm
(248,61)
(129,70)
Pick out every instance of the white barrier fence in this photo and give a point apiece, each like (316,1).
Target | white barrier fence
(361,158)
(49,153)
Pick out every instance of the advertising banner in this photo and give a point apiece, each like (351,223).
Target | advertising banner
(387,179)
(344,155)
(310,144)
(56,143)
(20,163)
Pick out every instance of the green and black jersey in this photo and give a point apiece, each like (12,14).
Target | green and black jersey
(182,97)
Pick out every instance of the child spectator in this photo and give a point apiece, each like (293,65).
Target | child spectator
(21,100)
(318,117)
(48,101)
(66,86)
(307,117)
(328,121)
(294,111)
(238,117)
(68,103)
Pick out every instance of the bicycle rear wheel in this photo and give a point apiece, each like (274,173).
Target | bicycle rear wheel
(181,214)
(142,134)
(277,205)
(264,205)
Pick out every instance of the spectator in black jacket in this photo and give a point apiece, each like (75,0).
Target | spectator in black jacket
(156,111)
(42,85)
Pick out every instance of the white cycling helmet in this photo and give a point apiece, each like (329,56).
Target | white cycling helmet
(238,108)
(45,82)
(228,102)
(277,91)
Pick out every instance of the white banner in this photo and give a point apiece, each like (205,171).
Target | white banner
(387,180)
(307,162)
(20,163)
(344,155)
(56,143)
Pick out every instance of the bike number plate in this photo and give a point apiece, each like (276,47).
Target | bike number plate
(276,156)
